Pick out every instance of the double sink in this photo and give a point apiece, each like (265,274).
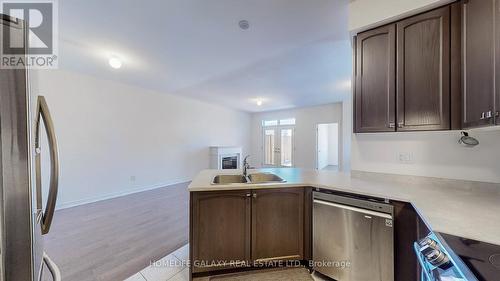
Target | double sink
(250,179)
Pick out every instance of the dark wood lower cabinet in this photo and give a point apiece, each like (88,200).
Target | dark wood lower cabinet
(220,229)
(408,228)
(260,226)
(278,224)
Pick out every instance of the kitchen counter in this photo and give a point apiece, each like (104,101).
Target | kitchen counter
(462,208)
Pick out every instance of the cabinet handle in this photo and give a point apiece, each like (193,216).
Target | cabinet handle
(255,195)
(401,124)
(483,116)
(392,125)
(248,195)
(489,114)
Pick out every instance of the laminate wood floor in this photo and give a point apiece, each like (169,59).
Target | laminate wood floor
(113,239)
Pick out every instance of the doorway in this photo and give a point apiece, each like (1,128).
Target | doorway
(278,146)
(327,148)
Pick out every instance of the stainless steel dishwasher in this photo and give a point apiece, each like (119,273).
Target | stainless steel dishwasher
(352,238)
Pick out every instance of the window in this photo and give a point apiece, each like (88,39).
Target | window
(268,123)
(287,122)
(282,122)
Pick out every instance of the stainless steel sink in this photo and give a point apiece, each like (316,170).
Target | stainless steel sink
(229,179)
(264,178)
(251,178)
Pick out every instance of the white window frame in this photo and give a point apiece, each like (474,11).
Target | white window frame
(277,130)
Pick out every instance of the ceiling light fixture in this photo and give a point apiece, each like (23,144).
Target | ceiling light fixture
(259,102)
(115,62)
(244,24)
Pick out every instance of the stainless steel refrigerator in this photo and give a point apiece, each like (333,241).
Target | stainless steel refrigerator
(24,217)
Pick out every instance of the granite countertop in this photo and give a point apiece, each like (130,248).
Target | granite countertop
(462,208)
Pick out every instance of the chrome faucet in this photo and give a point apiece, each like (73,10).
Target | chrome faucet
(246,166)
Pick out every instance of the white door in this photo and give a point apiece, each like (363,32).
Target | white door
(278,146)
(327,146)
(322,146)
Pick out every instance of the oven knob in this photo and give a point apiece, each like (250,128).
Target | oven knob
(437,258)
(427,245)
(427,242)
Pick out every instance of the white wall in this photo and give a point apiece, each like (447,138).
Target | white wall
(109,132)
(435,154)
(307,120)
(364,14)
(345,135)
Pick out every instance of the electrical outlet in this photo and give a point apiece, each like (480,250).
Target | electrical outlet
(406,157)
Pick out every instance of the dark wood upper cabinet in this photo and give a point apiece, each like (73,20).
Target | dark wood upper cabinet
(478,62)
(497,63)
(423,72)
(278,224)
(408,74)
(375,80)
(221,224)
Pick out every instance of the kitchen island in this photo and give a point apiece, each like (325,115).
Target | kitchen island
(461,208)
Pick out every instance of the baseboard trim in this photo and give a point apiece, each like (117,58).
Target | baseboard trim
(76,203)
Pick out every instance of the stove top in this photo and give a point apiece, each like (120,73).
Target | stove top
(483,259)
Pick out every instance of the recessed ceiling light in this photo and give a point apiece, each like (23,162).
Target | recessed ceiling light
(244,24)
(259,102)
(115,62)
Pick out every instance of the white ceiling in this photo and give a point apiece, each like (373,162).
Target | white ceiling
(295,53)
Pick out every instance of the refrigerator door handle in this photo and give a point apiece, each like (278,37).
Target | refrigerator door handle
(48,213)
(53,268)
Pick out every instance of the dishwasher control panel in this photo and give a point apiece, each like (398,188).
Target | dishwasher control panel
(357,202)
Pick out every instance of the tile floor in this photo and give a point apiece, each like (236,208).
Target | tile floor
(173,268)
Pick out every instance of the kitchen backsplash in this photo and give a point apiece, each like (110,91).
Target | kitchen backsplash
(431,154)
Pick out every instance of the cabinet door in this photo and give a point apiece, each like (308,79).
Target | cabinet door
(220,224)
(278,224)
(478,62)
(497,67)
(406,232)
(423,71)
(375,80)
